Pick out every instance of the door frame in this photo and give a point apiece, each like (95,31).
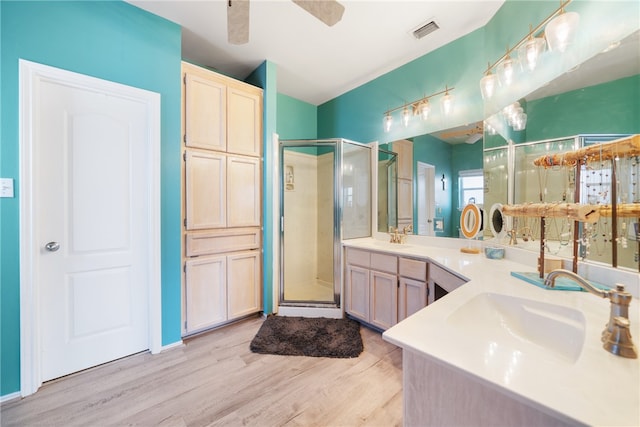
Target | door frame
(31,74)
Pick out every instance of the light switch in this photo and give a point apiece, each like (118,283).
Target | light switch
(6,187)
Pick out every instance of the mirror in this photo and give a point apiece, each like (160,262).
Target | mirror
(434,170)
(590,104)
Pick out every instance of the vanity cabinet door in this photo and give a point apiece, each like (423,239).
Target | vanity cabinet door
(383,308)
(357,292)
(205,292)
(412,297)
(243,281)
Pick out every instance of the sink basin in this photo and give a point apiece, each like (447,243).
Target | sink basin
(522,325)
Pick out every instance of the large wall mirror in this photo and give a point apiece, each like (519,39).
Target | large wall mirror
(446,173)
(591,104)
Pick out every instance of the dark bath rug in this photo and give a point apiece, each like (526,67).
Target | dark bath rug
(302,336)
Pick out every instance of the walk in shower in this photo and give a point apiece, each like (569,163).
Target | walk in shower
(325,197)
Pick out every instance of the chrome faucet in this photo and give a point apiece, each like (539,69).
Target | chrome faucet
(616,335)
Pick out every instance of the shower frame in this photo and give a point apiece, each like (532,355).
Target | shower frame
(338,162)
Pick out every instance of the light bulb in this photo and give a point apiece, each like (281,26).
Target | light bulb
(405,117)
(447,103)
(388,121)
(529,53)
(561,31)
(488,85)
(424,109)
(506,71)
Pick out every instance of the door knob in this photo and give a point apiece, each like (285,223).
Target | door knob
(52,246)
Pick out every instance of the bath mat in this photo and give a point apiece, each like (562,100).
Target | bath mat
(302,336)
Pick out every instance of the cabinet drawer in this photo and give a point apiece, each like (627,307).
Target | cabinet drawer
(218,241)
(413,269)
(358,257)
(383,262)
(444,278)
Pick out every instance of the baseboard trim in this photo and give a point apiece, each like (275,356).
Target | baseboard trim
(10,396)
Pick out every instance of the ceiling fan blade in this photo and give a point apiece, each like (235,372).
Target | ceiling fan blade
(328,11)
(238,21)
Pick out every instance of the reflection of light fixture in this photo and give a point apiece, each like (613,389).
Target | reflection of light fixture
(424,109)
(447,103)
(561,30)
(388,121)
(443,180)
(405,116)
(515,116)
(420,107)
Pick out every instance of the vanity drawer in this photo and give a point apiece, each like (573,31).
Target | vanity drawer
(444,278)
(358,257)
(413,269)
(383,262)
(225,240)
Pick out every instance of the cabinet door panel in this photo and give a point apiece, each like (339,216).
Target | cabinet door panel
(243,191)
(205,292)
(244,122)
(412,297)
(244,283)
(205,182)
(383,311)
(405,199)
(357,292)
(205,113)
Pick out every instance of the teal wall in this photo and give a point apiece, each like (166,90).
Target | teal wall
(463,157)
(612,107)
(265,76)
(296,119)
(109,40)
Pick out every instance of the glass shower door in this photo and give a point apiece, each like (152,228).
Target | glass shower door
(310,238)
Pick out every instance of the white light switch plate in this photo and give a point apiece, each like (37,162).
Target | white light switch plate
(6,187)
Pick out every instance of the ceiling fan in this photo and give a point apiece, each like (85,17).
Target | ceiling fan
(328,11)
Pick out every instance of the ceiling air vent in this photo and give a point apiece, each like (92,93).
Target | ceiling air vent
(425,29)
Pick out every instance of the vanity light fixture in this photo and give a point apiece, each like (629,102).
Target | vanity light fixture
(420,107)
(559,31)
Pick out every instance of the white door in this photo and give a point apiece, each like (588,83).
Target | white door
(426,199)
(91,215)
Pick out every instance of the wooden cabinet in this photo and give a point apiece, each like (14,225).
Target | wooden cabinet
(371,287)
(412,289)
(442,281)
(222,199)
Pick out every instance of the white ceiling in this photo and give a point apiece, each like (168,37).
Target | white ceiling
(316,63)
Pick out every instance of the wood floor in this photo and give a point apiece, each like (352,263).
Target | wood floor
(215,380)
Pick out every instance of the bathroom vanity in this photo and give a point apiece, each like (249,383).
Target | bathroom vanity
(500,351)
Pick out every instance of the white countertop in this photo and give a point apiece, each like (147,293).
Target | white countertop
(598,388)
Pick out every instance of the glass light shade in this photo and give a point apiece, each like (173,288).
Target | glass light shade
(387,121)
(446,103)
(406,115)
(520,121)
(529,53)
(488,85)
(506,71)
(424,109)
(561,30)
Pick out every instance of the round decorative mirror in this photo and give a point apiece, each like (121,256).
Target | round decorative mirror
(471,221)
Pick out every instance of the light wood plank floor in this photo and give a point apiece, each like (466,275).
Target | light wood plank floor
(215,380)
